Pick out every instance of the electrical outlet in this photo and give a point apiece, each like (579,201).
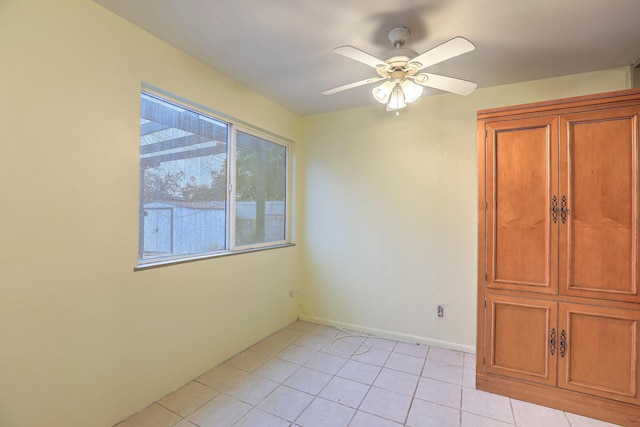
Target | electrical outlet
(292,293)
(441,311)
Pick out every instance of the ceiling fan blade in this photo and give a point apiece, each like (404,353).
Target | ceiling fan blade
(449,84)
(359,55)
(447,50)
(352,85)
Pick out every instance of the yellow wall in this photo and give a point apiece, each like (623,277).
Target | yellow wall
(390,212)
(385,214)
(84,340)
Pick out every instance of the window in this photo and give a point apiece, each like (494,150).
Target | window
(206,186)
(260,190)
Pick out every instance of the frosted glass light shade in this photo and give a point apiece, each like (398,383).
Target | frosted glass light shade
(397,94)
(396,99)
(381,93)
(411,90)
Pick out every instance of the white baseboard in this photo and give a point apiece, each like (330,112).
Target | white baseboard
(389,334)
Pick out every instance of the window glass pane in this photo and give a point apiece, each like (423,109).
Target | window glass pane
(260,190)
(183,156)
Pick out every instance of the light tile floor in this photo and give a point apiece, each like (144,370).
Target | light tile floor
(295,378)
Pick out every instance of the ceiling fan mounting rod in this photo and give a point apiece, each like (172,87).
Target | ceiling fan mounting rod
(398,36)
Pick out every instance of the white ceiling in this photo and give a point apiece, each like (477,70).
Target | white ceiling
(282,49)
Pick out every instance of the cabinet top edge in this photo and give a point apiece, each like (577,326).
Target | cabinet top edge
(610,99)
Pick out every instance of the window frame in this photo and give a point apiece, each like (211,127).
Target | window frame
(233,126)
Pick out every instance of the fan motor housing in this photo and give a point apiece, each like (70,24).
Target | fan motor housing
(398,57)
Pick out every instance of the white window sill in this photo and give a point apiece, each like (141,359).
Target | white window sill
(167,262)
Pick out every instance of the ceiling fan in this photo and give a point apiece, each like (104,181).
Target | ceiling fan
(400,68)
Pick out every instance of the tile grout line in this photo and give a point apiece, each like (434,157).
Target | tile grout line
(513,412)
(415,389)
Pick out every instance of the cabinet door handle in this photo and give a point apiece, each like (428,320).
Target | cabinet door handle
(563,209)
(563,343)
(552,342)
(554,209)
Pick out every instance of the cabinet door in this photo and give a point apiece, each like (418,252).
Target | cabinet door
(521,339)
(601,353)
(599,186)
(521,181)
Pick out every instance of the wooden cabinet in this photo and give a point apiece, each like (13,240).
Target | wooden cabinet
(590,349)
(521,183)
(558,254)
(599,180)
(519,331)
(598,351)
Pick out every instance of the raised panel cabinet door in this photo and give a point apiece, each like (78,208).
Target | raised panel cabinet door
(521,338)
(599,204)
(599,351)
(521,183)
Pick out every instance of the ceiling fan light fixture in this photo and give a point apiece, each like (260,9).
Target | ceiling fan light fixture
(397,99)
(411,90)
(383,92)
